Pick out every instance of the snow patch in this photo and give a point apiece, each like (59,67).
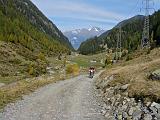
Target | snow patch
(75,38)
(74,32)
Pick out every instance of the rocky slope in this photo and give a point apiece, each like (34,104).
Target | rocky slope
(128,92)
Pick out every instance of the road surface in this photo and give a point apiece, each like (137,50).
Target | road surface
(73,99)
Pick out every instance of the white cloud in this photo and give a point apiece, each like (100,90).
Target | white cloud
(63,8)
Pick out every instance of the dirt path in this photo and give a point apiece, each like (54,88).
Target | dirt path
(73,99)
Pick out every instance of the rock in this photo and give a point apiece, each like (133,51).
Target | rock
(116,104)
(157,116)
(148,104)
(118,97)
(128,100)
(107,115)
(137,115)
(159,111)
(103,112)
(153,109)
(113,99)
(124,102)
(108,107)
(147,117)
(145,110)
(2,84)
(124,107)
(140,104)
(130,112)
(111,77)
(156,105)
(155,75)
(124,87)
(124,115)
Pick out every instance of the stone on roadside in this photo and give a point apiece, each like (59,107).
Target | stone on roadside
(2,84)
(153,109)
(147,117)
(157,116)
(137,115)
(124,87)
(130,112)
(156,105)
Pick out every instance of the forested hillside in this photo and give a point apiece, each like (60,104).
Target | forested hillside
(131,35)
(21,22)
(26,38)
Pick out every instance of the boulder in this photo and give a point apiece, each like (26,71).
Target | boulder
(153,109)
(155,75)
(156,105)
(130,112)
(157,116)
(124,116)
(124,87)
(137,115)
(147,117)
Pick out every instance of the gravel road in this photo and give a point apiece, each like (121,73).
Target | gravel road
(73,99)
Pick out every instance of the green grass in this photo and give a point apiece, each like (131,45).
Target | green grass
(84,61)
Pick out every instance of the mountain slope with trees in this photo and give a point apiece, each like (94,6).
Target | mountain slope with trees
(131,36)
(26,38)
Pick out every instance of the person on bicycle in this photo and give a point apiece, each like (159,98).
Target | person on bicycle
(91,72)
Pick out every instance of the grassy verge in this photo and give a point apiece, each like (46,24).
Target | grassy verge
(85,61)
(13,92)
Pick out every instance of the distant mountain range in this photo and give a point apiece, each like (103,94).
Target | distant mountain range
(76,37)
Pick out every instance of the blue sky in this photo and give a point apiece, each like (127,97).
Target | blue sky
(75,14)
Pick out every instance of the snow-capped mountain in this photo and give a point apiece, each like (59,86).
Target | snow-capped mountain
(77,36)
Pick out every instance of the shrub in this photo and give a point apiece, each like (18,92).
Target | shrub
(41,56)
(128,58)
(148,51)
(72,69)
(31,69)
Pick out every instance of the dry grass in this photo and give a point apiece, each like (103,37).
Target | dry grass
(15,91)
(135,73)
(72,69)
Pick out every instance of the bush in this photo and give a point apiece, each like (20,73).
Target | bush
(148,51)
(72,69)
(31,69)
(128,58)
(41,56)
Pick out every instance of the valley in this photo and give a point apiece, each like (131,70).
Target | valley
(110,72)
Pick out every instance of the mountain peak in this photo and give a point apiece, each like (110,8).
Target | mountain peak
(94,29)
(82,35)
